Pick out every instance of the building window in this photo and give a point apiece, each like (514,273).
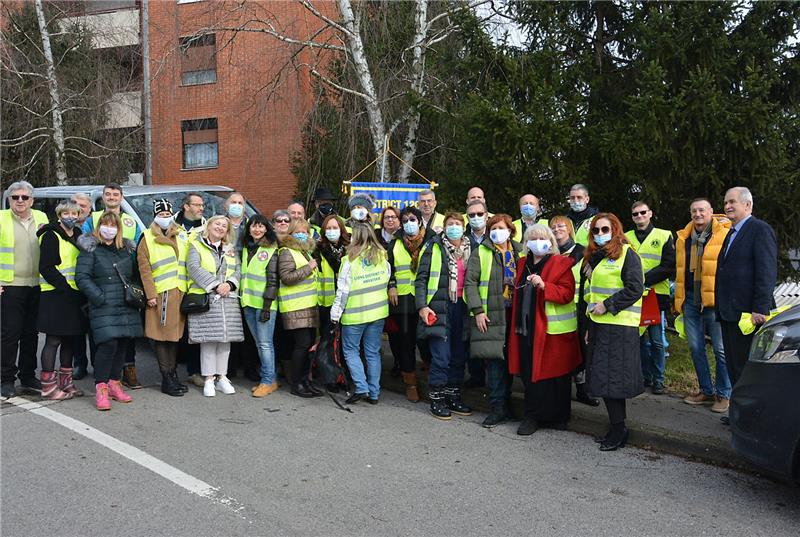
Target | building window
(198,60)
(200,148)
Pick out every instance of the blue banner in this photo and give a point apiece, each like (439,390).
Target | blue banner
(390,194)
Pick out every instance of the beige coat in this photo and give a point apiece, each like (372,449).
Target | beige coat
(172,330)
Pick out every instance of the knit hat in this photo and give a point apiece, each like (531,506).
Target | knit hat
(363,199)
(162,204)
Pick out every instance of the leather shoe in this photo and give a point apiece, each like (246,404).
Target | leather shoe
(615,440)
(316,392)
(372,401)
(300,391)
(582,397)
(527,427)
(355,398)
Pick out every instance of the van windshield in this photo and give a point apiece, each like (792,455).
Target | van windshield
(214,202)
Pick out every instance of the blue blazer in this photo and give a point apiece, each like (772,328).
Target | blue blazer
(746,276)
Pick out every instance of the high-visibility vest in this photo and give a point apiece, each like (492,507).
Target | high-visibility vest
(326,283)
(208,263)
(582,231)
(368,299)
(746,325)
(68,254)
(485,255)
(7,241)
(436,222)
(605,281)
(302,295)
(254,278)
(128,224)
(435,271)
(402,269)
(650,253)
(518,226)
(169,272)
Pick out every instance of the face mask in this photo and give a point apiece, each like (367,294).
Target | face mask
(108,232)
(359,213)
(601,240)
(302,237)
(333,234)
(163,221)
(69,222)
(411,228)
(539,246)
(454,232)
(528,210)
(577,206)
(325,209)
(235,210)
(499,236)
(477,222)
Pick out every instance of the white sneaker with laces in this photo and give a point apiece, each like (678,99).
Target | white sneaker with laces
(208,388)
(224,385)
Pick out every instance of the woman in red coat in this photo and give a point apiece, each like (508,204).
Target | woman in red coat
(543,343)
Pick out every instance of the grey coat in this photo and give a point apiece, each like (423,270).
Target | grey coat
(613,362)
(440,302)
(222,323)
(489,344)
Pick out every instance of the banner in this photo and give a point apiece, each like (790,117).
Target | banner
(391,194)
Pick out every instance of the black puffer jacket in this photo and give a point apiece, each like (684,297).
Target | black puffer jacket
(109,316)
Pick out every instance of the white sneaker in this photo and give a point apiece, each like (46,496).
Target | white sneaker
(208,388)
(225,386)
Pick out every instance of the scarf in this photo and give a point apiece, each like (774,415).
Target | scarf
(699,240)
(566,248)
(453,255)
(414,246)
(526,301)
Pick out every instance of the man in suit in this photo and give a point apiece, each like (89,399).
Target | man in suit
(747,269)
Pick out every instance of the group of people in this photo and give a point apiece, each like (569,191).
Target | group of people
(555,301)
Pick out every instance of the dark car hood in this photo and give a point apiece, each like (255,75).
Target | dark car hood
(790,315)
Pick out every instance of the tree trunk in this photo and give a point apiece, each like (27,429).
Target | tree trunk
(417,86)
(55,98)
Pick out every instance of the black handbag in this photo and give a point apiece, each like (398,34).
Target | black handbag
(134,295)
(195,303)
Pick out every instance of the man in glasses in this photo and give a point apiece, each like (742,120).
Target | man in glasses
(191,214)
(657,252)
(580,213)
(426,201)
(19,285)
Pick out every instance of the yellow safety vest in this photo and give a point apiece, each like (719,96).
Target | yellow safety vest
(254,278)
(302,295)
(518,226)
(485,255)
(7,241)
(208,263)
(434,274)
(169,272)
(69,260)
(605,281)
(582,232)
(403,275)
(368,299)
(436,222)
(326,284)
(650,253)
(128,224)
(746,325)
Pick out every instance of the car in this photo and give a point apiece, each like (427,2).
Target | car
(138,201)
(765,404)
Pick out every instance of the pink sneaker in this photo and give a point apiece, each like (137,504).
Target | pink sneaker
(116,392)
(101,397)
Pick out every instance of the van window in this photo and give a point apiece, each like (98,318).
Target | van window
(214,201)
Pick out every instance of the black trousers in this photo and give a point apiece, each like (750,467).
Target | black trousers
(302,340)
(404,344)
(109,359)
(19,307)
(616,410)
(737,349)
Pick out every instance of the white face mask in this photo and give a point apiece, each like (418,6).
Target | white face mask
(499,236)
(333,234)
(539,246)
(163,221)
(359,213)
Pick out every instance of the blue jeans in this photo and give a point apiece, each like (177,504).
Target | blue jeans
(352,335)
(697,324)
(262,333)
(498,380)
(448,354)
(653,354)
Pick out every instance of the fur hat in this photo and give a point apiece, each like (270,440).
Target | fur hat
(363,199)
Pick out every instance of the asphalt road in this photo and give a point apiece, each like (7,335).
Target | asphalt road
(235,465)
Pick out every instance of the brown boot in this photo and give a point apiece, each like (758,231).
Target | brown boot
(410,380)
(129,377)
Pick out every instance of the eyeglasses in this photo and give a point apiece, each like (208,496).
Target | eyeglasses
(426,202)
(282,220)
(558,226)
(201,205)
(22,197)
(601,230)
(473,215)
(390,217)
(640,213)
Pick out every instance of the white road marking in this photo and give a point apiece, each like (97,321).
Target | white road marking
(134,454)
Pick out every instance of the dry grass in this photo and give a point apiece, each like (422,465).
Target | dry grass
(680,374)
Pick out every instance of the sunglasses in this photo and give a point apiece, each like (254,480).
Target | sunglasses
(473,215)
(640,213)
(601,230)
(22,197)
(409,220)
(282,220)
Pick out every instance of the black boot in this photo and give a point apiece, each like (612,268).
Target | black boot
(617,437)
(498,415)
(168,386)
(316,392)
(181,386)
(301,391)
(582,397)
(452,395)
(438,405)
(528,426)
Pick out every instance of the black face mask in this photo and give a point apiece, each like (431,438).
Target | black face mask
(325,209)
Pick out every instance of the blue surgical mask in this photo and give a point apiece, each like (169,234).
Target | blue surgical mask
(300,236)
(235,210)
(333,234)
(601,240)
(359,213)
(477,222)
(528,210)
(411,228)
(454,232)
(577,206)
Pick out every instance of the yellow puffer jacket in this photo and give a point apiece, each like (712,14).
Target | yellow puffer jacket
(719,229)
